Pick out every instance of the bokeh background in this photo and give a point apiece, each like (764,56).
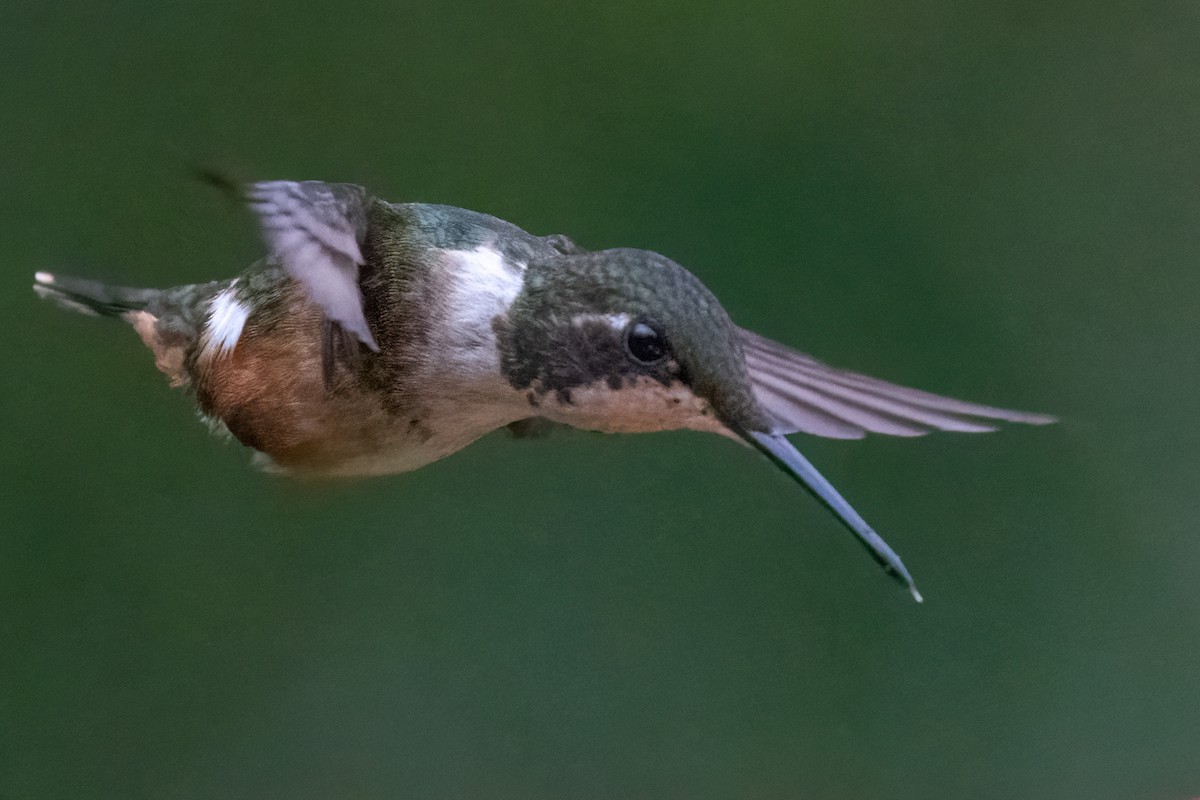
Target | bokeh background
(998,201)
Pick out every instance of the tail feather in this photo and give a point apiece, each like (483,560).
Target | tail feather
(166,320)
(91,297)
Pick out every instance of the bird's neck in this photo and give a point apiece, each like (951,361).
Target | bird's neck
(433,311)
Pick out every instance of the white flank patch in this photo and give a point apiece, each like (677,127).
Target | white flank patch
(226,317)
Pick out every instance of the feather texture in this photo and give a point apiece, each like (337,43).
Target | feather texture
(805,395)
(315,230)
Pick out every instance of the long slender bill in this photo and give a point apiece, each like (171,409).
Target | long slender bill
(788,459)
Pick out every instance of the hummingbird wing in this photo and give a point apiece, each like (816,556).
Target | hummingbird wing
(315,230)
(806,395)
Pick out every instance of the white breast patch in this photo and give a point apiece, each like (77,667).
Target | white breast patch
(482,285)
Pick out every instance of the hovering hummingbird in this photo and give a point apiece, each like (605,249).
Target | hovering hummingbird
(377,337)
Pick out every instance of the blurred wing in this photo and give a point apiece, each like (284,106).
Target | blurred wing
(315,230)
(805,395)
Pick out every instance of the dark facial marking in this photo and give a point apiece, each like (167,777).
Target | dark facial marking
(550,340)
(551,355)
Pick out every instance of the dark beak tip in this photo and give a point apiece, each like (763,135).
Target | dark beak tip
(785,456)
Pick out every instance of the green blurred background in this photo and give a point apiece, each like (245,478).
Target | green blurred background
(998,201)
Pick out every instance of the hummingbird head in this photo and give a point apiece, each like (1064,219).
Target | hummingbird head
(628,341)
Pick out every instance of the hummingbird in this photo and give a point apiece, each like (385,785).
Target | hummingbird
(376,337)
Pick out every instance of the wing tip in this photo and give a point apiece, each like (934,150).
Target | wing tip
(994,417)
(881,401)
(1029,418)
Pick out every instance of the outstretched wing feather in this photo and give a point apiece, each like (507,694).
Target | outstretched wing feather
(806,395)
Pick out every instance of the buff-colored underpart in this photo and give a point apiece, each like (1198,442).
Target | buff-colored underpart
(168,356)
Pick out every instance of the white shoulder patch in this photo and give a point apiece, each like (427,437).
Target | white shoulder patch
(226,317)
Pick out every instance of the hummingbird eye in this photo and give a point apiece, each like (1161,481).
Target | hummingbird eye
(645,344)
